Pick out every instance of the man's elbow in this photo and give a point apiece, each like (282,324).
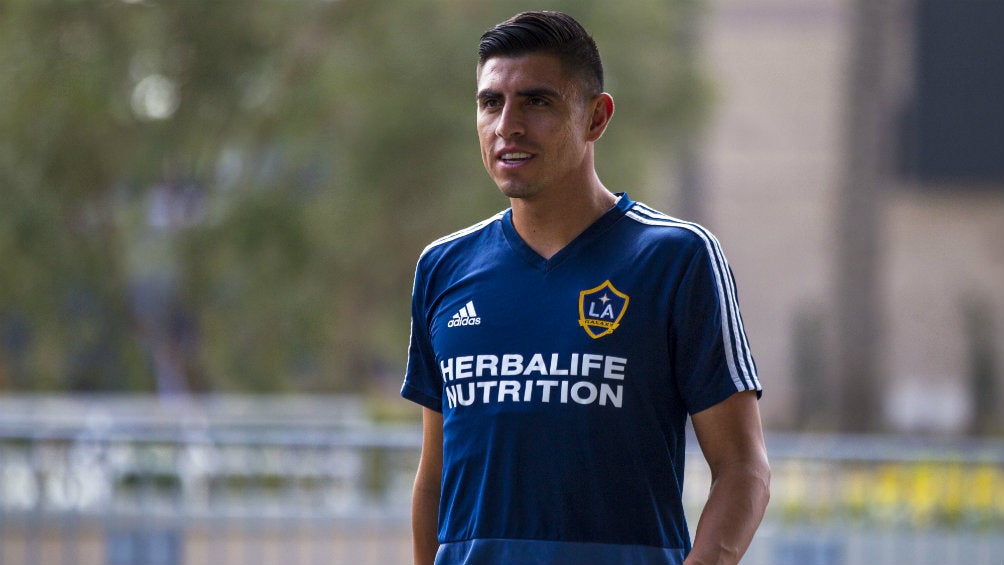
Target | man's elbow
(763,477)
(760,474)
(754,475)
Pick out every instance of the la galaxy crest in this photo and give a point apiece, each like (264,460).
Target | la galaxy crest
(601,309)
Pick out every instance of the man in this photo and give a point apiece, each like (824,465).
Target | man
(558,347)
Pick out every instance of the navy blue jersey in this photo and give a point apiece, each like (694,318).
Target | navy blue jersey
(565,384)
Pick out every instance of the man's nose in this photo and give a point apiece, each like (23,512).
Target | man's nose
(510,123)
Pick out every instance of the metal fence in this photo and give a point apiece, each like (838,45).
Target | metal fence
(290,481)
(858,500)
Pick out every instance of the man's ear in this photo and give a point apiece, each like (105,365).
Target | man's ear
(602,108)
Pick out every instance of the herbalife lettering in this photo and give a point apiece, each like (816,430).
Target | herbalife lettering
(580,378)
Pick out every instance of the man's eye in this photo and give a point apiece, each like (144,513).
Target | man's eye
(490,103)
(537,101)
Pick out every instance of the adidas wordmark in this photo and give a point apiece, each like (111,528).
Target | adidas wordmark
(467,316)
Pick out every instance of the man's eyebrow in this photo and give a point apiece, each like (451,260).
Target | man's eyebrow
(528,93)
(539,92)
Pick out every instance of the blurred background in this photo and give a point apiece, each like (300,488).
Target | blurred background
(210,214)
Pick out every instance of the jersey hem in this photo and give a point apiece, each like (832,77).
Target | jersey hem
(489,551)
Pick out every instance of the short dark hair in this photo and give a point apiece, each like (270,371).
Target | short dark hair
(548,32)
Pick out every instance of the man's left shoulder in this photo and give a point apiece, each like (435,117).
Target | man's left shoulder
(663,228)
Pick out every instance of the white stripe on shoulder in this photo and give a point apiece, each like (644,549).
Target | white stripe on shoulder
(737,352)
(466,231)
(653,214)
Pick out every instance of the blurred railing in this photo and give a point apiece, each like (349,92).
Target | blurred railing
(131,481)
(882,500)
(288,481)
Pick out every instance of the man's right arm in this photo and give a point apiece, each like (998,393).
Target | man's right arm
(428,484)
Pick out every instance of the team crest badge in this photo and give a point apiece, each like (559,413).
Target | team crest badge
(601,309)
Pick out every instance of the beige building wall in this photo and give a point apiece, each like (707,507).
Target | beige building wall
(946,258)
(771,165)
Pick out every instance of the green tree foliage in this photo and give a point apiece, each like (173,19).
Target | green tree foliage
(230,196)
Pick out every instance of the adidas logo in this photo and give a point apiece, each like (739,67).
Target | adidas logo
(465,317)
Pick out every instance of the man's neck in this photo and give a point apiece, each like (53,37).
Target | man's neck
(550,222)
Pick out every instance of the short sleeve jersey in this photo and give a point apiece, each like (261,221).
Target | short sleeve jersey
(565,384)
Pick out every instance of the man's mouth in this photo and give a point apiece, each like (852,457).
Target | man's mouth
(514,157)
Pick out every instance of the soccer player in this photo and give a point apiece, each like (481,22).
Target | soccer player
(558,347)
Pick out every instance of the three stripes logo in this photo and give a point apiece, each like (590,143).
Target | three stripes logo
(467,316)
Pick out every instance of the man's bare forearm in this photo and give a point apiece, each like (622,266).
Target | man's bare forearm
(425,497)
(424,518)
(735,507)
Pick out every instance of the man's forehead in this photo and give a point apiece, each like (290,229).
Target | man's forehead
(534,70)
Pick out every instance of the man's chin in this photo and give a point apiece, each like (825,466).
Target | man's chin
(517,190)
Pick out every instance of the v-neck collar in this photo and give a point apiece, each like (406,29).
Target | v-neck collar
(535,260)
